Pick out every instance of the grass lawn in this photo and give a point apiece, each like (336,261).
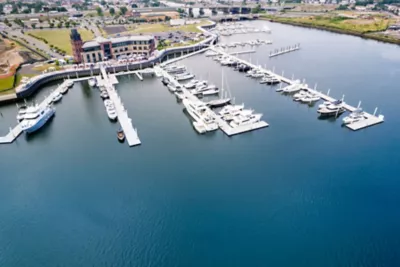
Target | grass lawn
(162,27)
(6,83)
(357,25)
(60,37)
(43,67)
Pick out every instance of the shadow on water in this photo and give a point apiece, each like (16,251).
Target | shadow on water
(328,118)
(43,133)
(86,89)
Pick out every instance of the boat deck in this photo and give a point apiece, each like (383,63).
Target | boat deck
(123,118)
(370,120)
(223,125)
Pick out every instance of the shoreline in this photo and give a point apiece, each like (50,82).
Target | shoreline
(361,35)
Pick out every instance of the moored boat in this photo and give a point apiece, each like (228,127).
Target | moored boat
(34,123)
(120,135)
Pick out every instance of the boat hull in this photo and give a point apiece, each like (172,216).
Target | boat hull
(41,122)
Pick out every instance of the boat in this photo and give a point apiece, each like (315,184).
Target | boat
(230,109)
(355,116)
(111,113)
(184,76)
(174,88)
(64,89)
(180,95)
(235,113)
(69,83)
(218,102)
(242,68)
(165,81)
(120,135)
(299,95)
(333,109)
(294,87)
(56,97)
(270,80)
(310,98)
(104,94)
(211,53)
(92,82)
(213,91)
(175,68)
(199,112)
(34,123)
(195,83)
(199,127)
(203,87)
(242,120)
(27,112)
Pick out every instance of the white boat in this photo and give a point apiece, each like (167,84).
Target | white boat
(28,112)
(64,89)
(213,91)
(199,112)
(34,123)
(69,83)
(180,95)
(104,94)
(56,97)
(175,68)
(299,95)
(199,127)
(243,120)
(258,74)
(195,83)
(203,87)
(92,82)
(230,108)
(218,102)
(210,53)
(333,109)
(111,113)
(184,76)
(270,80)
(355,116)
(294,87)
(310,98)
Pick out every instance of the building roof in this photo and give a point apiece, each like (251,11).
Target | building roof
(99,40)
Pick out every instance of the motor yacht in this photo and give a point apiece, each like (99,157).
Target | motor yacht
(301,94)
(64,89)
(242,120)
(355,116)
(56,97)
(199,112)
(310,98)
(218,102)
(104,94)
(184,76)
(230,109)
(165,81)
(294,87)
(28,113)
(270,80)
(92,82)
(213,91)
(195,83)
(179,95)
(175,69)
(38,119)
(69,83)
(333,109)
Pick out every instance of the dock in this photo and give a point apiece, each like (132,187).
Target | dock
(243,52)
(223,125)
(284,50)
(370,120)
(108,82)
(17,130)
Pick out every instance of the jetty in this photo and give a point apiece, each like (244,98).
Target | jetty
(284,50)
(370,119)
(17,130)
(223,125)
(108,81)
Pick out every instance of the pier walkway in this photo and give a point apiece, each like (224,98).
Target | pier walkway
(370,120)
(17,130)
(125,122)
(223,125)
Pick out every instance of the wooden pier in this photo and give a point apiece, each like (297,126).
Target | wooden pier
(108,82)
(370,120)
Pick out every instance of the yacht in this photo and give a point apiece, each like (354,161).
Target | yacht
(257,74)
(34,123)
(243,120)
(270,80)
(64,89)
(180,95)
(56,97)
(211,53)
(231,108)
(198,111)
(213,91)
(112,114)
(310,98)
(218,102)
(300,95)
(104,94)
(27,113)
(92,82)
(355,116)
(69,83)
(203,87)
(195,83)
(165,81)
(184,76)
(294,87)
(333,109)
(174,88)
(175,68)
(199,127)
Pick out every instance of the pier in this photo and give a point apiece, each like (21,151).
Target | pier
(108,82)
(223,125)
(17,130)
(284,50)
(370,119)
(242,52)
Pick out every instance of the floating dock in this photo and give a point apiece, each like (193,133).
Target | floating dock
(17,130)
(284,50)
(223,125)
(370,120)
(108,82)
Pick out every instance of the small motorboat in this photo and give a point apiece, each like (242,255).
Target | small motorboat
(56,97)
(92,82)
(104,94)
(165,81)
(64,89)
(120,135)
(69,83)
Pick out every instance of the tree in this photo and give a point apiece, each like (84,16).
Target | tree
(103,3)
(6,21)
(51,25)
(99,11)
(112,11)
(257,9)
(59,25)
(134,6)
(201,11)
(191,13)
(67,24)
(214,11)
(123,10)
(33,25)
(244,2)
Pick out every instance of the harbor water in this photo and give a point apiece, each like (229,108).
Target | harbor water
(302,192)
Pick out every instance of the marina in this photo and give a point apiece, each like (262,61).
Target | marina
(284,50)
(369,120)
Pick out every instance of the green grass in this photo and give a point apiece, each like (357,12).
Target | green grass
(60,37)
(6,83)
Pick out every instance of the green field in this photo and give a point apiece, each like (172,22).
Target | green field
(6,83)
(60,37)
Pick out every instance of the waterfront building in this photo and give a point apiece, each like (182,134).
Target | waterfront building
(102,48)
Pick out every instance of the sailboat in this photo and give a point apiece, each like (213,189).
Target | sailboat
(220,102)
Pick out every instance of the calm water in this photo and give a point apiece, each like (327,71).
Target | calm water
(303,192)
